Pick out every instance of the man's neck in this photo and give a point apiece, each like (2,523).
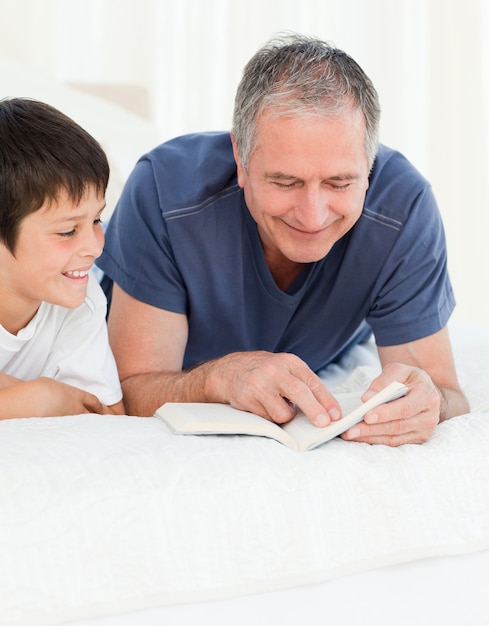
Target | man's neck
(284,271)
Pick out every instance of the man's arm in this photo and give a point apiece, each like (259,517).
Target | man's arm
(434,355)
(149,345)
(427,367)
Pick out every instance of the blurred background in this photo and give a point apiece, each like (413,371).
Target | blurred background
(137,72)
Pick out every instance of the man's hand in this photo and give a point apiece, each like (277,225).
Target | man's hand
(271,385)
(434,393)
(410,419)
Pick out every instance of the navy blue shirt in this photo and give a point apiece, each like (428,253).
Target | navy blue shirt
(182,239)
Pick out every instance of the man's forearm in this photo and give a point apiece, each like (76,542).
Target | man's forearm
(144,393)
(255,381)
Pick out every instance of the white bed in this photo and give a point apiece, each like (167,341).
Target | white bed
(113,521)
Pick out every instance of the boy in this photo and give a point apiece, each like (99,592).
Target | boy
(54,353)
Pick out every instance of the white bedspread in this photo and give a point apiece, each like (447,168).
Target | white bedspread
(102,514)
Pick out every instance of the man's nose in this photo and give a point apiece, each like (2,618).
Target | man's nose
(313,209)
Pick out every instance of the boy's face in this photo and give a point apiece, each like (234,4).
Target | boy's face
(55,249)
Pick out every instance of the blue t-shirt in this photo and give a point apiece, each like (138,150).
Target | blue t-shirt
(182,239)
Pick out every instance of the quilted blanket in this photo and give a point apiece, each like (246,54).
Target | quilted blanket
(102,514)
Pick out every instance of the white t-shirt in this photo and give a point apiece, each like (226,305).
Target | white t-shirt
(69,345)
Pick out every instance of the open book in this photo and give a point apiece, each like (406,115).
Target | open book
(207,418)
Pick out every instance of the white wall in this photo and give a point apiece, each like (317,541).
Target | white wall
(177,62)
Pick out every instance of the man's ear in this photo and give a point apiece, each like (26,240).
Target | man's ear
(239,165)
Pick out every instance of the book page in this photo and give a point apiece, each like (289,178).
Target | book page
(208,418)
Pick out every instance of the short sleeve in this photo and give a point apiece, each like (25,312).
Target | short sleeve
(138,254)
(413,292)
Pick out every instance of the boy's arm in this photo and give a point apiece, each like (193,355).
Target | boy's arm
(7,381)
(115,409)
(44,397)
(25,404)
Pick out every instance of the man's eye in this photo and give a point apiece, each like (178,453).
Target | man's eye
(284,185)
(341,187)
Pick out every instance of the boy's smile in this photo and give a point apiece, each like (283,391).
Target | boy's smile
(55,250)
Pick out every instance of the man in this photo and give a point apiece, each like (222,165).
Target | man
(243,263)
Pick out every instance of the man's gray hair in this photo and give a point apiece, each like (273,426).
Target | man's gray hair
(303,76)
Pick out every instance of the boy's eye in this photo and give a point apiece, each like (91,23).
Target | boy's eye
(70,233)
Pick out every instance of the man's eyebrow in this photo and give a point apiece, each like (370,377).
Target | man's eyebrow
(337,177)
(280,176)
(343,177)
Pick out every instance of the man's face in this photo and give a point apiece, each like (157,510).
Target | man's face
(305,183)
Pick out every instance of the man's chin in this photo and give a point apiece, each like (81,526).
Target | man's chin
(306,257)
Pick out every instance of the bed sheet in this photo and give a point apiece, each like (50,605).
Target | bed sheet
(448,591)
(103,515)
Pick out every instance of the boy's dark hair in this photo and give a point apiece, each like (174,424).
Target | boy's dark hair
(43,153)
